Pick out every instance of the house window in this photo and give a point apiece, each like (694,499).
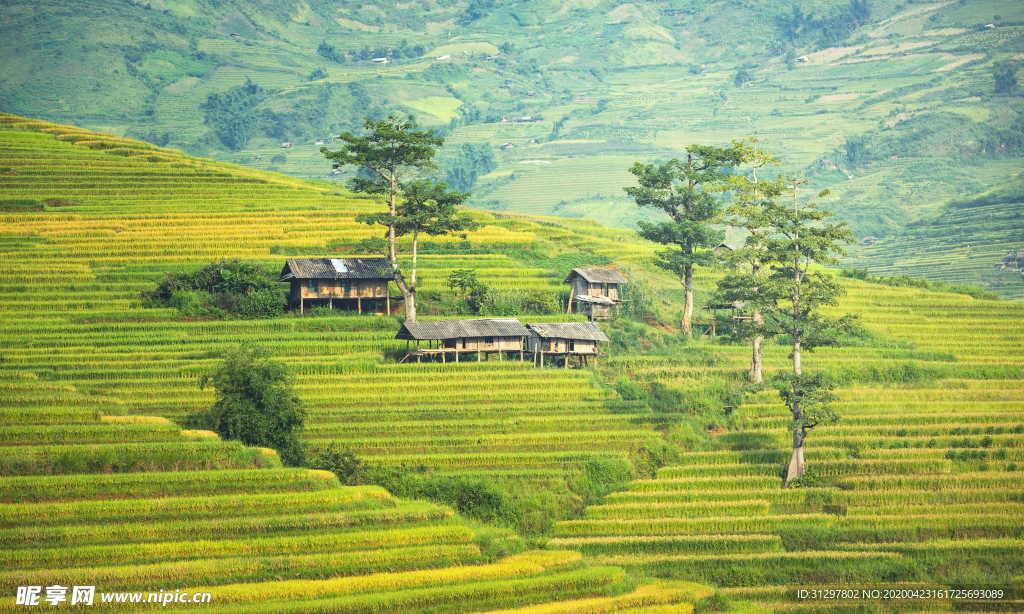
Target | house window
(313,286)
(489,340)
(346,287)
(572,345)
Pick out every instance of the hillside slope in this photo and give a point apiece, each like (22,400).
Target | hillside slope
(893,105)
(966,242)
(96,490)
(932,388)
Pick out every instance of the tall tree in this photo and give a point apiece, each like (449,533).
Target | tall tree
(798,238)
(686,190)
(429,208)
(744,285)
(393,149)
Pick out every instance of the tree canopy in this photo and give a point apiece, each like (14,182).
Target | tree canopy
(689,192)
(255,402)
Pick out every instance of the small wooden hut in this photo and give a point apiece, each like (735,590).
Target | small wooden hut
(723,249)
(454,338)
(595,291)
(356,284)
(565,339)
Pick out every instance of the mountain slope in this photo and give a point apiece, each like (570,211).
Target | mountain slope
(98,491)
(967,242)
(930,387)
(894,107)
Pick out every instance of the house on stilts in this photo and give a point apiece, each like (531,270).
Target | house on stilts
(353,284)
(564,340)
(595,292)
(452,339)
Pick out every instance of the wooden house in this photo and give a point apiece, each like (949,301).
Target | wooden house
(356,284)
(450,339)
(595,291)
(565,339)
(723,249)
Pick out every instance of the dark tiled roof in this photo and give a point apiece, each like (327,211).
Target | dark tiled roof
(569,330)
(454,329)
(597,275)
(336,268)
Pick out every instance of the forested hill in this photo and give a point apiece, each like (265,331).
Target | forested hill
(898,107)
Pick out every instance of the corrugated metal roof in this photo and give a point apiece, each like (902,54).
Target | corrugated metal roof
(336,268)
(600,300)
(598,275)
(568,330)
(454,329)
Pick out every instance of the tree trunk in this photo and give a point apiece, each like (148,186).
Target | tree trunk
(393,210)
(408,290)
(796,356)
(756,376)
(796,460)
(409,295)
(797,320)
(688,301)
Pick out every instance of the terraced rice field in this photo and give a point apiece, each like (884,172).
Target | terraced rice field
(100,488)
(71,301)
(198,515)
(959,246)
(921,481)
(922,471)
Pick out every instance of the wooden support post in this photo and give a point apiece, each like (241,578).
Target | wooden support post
(444,355)
(302,305)
(359,304)
(456,354)
(387,303)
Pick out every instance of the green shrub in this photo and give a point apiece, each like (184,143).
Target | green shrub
(255,403)
(220,289)
(597,478)
(687,434)
(342,463)
(193,303)
(265,303)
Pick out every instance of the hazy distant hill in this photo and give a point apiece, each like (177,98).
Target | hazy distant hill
(895,106)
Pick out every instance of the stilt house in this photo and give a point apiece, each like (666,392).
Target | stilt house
(450,339)
(565,339)
(355,284)
(595,292)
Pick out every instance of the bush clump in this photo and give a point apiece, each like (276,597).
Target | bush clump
(229,288)
(256,403)
(530,511)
